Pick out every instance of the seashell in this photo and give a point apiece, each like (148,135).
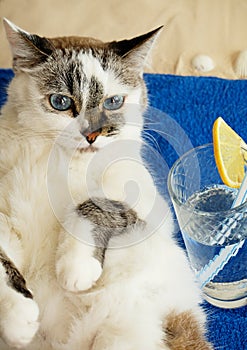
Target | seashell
(203,63)
(240,66)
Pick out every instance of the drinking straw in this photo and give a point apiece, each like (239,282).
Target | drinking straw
(210,270)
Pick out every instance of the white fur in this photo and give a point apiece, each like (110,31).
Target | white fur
(145,275)
(19,316)
(76,268)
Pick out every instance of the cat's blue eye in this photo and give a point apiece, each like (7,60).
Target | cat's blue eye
(60,102)
(114,102)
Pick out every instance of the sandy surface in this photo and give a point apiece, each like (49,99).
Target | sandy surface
(217,28)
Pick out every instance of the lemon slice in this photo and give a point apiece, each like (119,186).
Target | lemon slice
(230,153)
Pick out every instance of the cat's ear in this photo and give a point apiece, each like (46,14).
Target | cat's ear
(28,50)
(136,51)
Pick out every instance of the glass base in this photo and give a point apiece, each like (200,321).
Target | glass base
(226,295)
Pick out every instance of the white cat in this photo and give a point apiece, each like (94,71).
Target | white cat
(86,261)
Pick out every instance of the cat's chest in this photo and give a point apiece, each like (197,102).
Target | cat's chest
(83,176)
(69,179)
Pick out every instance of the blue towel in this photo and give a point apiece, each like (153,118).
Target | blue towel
(181,114)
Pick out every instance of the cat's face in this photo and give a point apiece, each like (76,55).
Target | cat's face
(92,91)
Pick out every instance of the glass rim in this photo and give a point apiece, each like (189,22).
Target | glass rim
(191,209)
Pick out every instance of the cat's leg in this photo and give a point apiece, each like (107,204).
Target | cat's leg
(132,337)
(18,311)
(181,332)
(77,265)
(124,319)
(134,329)
(87,230)
(185,323)
(184,332)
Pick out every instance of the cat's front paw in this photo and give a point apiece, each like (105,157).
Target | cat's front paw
(76,274)
(19,323)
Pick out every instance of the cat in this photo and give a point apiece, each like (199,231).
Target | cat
(86,262)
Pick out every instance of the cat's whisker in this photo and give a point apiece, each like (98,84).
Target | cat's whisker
(148,137)
(152,125)
(147,119)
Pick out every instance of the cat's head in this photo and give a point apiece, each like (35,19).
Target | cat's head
(93,90)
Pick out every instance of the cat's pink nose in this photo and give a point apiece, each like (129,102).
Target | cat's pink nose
(91,137)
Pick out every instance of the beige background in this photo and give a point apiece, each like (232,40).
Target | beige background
(217,28)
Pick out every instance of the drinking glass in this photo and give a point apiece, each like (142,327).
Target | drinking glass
(214,232)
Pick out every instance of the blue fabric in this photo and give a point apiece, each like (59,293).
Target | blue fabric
(181,114)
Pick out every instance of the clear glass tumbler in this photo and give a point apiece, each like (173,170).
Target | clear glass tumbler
(214,232)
